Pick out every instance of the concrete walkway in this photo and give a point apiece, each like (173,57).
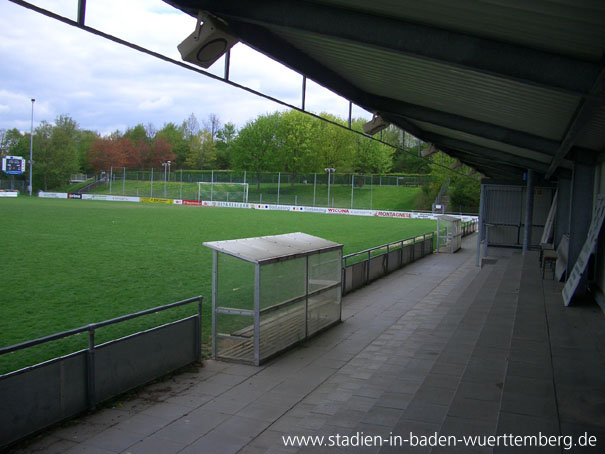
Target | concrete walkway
(437,347)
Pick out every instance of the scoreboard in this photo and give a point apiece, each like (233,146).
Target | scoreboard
(13,165)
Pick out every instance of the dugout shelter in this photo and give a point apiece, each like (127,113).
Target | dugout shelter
(271,292)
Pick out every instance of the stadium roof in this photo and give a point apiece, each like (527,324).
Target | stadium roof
(504,86)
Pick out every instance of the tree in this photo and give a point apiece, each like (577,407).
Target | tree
(55,151)
(295,143)
(224,145)
(212,125)
(139,154)
(202,151)
(335,147)
(108,152)
(190,127)
(175,136)
(15,144)
(161,151)
(256,145)
(371,156)
(84,144)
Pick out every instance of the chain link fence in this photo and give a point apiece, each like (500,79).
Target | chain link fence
(311,189)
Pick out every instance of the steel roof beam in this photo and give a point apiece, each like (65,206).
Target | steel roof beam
(489,153)
(583,114)
(407,111)
(484,165)
(483,55)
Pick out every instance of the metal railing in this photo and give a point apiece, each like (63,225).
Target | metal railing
(379,261)
(43,394)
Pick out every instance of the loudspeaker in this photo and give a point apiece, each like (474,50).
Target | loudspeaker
(207,43)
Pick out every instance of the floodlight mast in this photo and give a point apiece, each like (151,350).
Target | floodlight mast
(31,147)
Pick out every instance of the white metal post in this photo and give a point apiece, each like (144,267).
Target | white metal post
(352,189)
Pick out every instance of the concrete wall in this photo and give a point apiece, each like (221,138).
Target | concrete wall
(40,396)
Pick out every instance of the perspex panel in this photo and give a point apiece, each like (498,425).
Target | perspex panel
(235,337)
(323,309)
(324,269)
(281,328)
(235,283)
(282,281)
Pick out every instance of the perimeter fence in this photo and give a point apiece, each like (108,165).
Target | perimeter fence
(309,189)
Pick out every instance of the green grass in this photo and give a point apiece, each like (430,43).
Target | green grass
(396,198)
(68,263)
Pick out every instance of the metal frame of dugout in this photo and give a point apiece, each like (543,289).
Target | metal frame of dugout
(269,293)
(449,233)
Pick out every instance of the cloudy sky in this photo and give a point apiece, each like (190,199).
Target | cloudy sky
(106,87)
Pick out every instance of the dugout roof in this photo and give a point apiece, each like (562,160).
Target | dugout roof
(504,86)
(267,249)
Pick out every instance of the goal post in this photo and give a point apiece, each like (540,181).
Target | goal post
(222,192)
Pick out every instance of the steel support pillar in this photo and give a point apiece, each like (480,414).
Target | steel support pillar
(529,211)
(580,213)
(563,206)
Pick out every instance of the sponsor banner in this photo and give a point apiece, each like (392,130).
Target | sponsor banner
(266,206)
(110,198)
(9,193)
(155,200)
(423,216)
(393,214)
(74,196)
(230,204)
(316,210)
(193,203)
(352,212)
(52,195)
(362,212)
(338,211)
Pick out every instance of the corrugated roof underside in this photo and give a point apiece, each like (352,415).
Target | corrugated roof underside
(441,87)
(483,142)
(568,27)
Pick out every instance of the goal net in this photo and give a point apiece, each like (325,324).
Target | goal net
(222,192)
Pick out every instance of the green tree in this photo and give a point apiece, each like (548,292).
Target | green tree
(334,146)
(15,144)
(257,145)
(55,152)
(371,156)
(202,151)
(295,143)
(225,138)
(84,144)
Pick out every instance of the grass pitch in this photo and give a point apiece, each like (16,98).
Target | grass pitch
(68,263)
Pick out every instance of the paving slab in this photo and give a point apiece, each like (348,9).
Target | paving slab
(440,346)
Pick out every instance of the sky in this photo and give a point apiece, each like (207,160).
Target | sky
(105,86)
